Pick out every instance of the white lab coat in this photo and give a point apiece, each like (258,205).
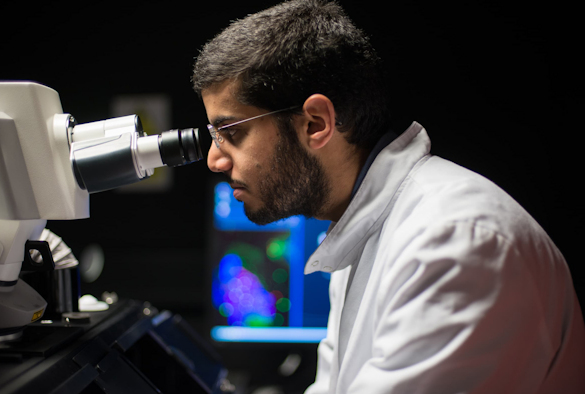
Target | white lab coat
(467,294)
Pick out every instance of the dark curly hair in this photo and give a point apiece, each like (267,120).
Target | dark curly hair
(288,52)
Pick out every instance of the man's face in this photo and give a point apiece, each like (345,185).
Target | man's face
(268,168)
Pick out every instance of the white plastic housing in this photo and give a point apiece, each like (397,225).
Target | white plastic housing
(36,180)
(104,128)
(148,153)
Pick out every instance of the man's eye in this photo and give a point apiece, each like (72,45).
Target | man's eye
(228,133)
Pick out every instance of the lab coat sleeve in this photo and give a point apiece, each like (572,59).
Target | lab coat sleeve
(326,349)
(465,320)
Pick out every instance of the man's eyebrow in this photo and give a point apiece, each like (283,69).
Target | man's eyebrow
(222,119)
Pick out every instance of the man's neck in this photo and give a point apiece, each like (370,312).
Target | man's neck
(351,175)
(343,170)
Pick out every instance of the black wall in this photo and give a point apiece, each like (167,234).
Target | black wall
(493,82)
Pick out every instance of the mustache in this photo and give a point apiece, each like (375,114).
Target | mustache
(235,182)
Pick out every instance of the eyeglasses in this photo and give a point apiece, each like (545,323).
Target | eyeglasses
(215,131)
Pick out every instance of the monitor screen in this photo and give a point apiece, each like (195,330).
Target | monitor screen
(259,290)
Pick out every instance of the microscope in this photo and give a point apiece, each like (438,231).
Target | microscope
(49,165)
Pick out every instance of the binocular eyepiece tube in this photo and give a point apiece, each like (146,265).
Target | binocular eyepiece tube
(116,152)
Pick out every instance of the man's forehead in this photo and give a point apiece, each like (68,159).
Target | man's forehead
(221,103)
(221,94)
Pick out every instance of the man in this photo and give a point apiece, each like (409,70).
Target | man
(441,282)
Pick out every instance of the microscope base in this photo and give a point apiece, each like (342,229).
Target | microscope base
(128,349)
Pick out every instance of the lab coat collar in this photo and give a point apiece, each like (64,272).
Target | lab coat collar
(384,141)
(366,212)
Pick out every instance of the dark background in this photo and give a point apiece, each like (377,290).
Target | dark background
(493,82)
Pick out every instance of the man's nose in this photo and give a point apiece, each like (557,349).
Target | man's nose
(217,160)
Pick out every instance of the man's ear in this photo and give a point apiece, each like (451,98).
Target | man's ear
(320,118)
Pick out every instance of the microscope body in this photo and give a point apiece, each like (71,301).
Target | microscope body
(48,167)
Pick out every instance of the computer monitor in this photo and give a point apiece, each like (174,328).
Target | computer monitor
(259,291)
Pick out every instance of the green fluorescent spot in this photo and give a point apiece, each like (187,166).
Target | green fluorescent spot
(280,275)
(283,305)
(275,249)
(255,320)
(226,309)
(278,319)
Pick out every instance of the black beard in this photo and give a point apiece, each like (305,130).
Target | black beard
(296,183)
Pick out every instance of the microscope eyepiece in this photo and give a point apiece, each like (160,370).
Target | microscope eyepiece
(180,147)
(116,152)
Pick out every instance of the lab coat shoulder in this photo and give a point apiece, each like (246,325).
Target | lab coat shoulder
(466,293)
